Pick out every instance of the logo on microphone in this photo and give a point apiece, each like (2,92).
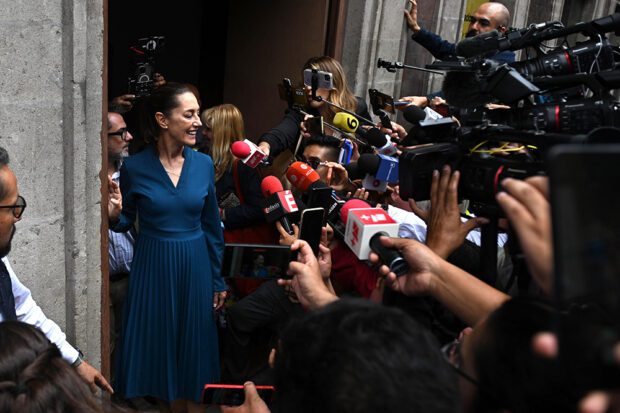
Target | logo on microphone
(355,233)
(288,201)
(352,123)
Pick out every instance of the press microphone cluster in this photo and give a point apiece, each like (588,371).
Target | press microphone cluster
(248,153)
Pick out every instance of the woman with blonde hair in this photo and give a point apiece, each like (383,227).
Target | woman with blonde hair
(285,135)
(237,186)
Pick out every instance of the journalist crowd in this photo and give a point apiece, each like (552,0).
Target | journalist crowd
(341,261)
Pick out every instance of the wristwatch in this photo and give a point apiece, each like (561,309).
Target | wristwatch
(79,360)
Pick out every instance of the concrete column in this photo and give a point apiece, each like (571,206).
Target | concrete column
(51,55)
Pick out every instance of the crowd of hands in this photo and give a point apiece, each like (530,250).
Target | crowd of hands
(527,208)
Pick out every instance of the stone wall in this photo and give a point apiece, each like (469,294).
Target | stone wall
(51,59)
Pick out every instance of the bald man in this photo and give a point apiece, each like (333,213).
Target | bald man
(488,17)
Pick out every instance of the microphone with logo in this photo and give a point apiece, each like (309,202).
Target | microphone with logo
(380,141)
(378,170)
(364,227)
(318,193)
(279,204)
(247,152)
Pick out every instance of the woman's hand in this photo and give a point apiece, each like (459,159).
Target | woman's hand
(115,201)
(303,129)
(218,299)
(264,147)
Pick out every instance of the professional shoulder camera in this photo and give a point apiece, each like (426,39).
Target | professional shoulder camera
(144,55)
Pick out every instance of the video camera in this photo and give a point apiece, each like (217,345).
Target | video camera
(559,96)
(144,55)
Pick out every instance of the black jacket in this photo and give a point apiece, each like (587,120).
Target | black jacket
(251,212)
(284,136)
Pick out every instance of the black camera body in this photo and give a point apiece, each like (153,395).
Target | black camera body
(141,82)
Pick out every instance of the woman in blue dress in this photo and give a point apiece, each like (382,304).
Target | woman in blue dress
(169,348)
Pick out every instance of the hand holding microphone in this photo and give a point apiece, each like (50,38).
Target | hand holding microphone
(248,152)
(278,203)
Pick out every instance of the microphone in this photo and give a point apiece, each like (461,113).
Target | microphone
(301,175)
(248,152)
(346,122)
(380,141)
(414,114)
(278,203)
(364,226)
(379,170)
(481,44)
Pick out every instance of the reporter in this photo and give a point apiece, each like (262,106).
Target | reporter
(286,134)
(233,179)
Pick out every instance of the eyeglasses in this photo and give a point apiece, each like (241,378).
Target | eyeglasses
(18,208)
(481,21)
(452,354)
(123,133)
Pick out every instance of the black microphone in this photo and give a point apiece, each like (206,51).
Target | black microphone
(414,114)
(278,203)
(378,170)
(380,141)
(481,44)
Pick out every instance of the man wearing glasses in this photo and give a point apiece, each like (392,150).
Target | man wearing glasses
(120,245)
(488,17)
(16,302)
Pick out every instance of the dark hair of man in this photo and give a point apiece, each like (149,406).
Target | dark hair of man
(4,161)
(163,99)
(325,141)
(511,377)
(35,379)
(355,356)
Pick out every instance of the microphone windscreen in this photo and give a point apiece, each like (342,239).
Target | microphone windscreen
(478,45)
(270,185)
(346,122)
(351,203)
(301,175)
(375,138)
(414,114)
(368,163)
(353,171)
(240,149)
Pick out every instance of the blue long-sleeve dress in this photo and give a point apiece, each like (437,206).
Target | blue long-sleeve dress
(169,348)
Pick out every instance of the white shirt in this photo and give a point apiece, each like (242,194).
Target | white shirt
(413,227)
(29,312)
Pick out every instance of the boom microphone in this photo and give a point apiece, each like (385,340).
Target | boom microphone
(481,44)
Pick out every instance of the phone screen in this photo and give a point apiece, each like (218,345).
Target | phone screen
(311,227)
(232,394)
(315,125)
(586,224)
(381,101)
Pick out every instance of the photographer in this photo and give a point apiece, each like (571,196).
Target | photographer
(286,134)
(488,17)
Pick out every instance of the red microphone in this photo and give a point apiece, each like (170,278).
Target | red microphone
(278,202)
(301,175)
(351,203)
(248,152)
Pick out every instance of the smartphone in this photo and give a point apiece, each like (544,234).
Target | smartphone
(398,103)
(324,79)
(586,224)
(293,96)
(232,394)
(320,198)
(381,101)
(315,126)
(311,227)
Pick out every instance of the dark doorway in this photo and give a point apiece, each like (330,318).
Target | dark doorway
(234,51)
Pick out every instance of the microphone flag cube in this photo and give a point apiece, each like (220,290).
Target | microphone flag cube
(362,224)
